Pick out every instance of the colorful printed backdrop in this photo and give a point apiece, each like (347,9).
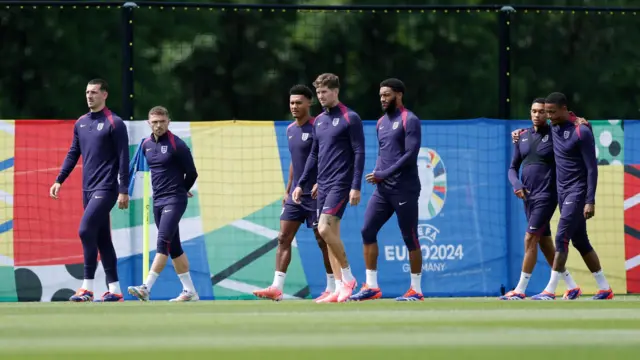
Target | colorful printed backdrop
(471,226)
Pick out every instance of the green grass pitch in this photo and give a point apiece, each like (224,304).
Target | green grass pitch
(433,329)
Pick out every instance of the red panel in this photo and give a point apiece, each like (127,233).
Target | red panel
(632,222)
(45,230)
(631,183)
(633,275)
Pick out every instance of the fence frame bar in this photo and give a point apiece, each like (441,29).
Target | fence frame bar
(504,62)
(127,61)
(172,4)
(503,26)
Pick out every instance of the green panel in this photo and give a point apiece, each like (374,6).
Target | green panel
(260,273)
(268,217)
(221,293)
(7,284)
(133,216)
(132,150)
(609,138)
(229,244)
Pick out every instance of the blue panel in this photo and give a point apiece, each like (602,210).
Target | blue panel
(473,245)
(461,256)
(168,285)
(465,244)
(631,142)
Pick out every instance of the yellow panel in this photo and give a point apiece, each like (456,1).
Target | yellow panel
(7,146)
(7,130)
(6,195)
(606,232)
(239,169)
(6,244)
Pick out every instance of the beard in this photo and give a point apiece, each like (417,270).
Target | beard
(392,106)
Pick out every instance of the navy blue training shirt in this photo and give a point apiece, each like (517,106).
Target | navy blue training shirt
(576,162)
(300,140)
(102,140)
(173,171)
(338,149)
(399,137)
(534,153)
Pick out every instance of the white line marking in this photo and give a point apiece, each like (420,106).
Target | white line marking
(258,230)
(74,259)
(632,201)
(5,261)
(8,127)
(453,337)
(6,197)
(246,288)
(632,263)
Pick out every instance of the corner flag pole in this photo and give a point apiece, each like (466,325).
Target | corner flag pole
(145,223)
(139,163)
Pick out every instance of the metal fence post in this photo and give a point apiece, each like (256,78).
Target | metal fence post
(504,110)
(504,67)
(127,60)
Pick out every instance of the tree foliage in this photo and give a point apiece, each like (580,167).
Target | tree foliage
(213,64)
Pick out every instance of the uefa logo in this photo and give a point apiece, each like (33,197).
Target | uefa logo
(427,232)
(437,253)
(433,183)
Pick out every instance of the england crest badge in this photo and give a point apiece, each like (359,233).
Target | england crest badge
(100,126)
(305,136)
(395,125)
(163,149)
(336,121)
(566,134)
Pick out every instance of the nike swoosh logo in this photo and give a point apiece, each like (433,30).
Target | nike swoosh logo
(83,125)
(532,228)
(568,203)
(98,197)
(402,203)
(167,211)
(326,207)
